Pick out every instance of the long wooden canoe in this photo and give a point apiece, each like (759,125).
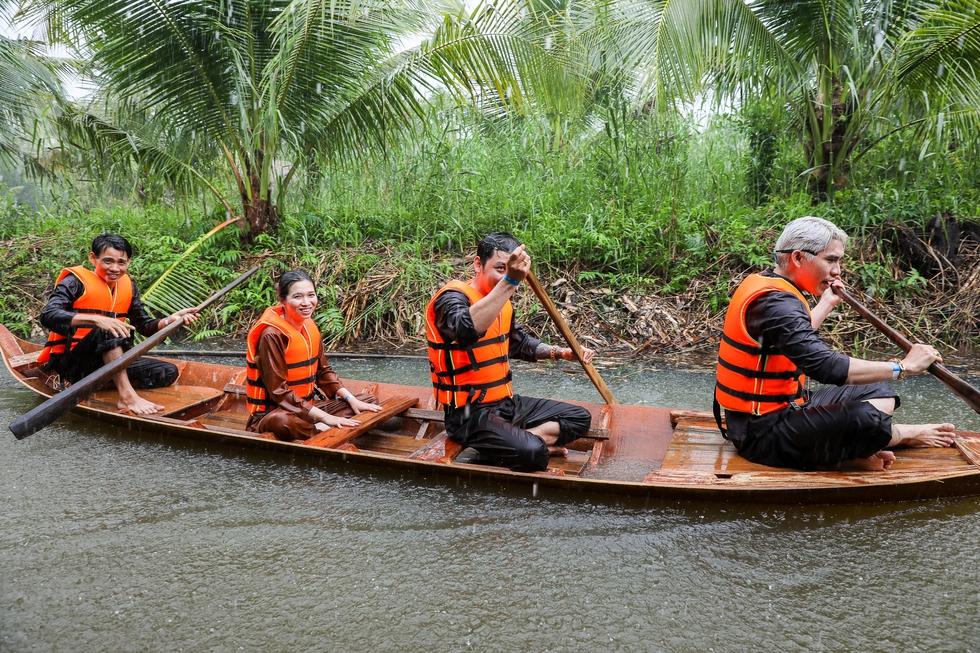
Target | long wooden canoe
(634,451)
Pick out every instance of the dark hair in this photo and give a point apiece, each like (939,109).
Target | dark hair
(287,280)
(103,242)
(497,241)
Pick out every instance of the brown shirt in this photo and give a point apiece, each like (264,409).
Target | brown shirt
(270,357)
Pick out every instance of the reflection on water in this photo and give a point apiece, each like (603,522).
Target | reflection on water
(115,540)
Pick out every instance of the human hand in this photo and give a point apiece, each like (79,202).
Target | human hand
(338,422)
(569,354)
(831,298)
(361,406)
(518,264)
(117,328)
(189,315)
(919,358)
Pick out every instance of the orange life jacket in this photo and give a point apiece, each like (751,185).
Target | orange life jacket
(751,377)
(470,374)
(97,299)
(302,360)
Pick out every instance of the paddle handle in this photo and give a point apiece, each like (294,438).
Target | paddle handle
(965,391)
(559,321)
(37,418)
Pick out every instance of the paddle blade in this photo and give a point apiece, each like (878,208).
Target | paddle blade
(37,418)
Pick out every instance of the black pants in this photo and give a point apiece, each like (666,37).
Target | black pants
(87,356)
(499,430)
(836,424)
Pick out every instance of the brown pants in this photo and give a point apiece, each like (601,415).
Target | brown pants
(290,426)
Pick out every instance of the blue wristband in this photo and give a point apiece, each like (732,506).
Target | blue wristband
(511,281)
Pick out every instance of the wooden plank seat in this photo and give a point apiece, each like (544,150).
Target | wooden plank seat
(176,398)
(698,451)
(333,438)
(22,362)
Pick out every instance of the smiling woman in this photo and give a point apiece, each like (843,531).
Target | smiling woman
(287,370)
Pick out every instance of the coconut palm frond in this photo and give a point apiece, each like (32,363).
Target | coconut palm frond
(185,283)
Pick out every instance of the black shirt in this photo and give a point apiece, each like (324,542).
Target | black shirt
(781,320)
(57,314)
(455,324)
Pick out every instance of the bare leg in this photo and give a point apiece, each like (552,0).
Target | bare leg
(884,404)
(549,432)
(128,399)
(922,435)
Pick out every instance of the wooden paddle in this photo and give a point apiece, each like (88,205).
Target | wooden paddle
(961,388)
(552,311)
(36,419)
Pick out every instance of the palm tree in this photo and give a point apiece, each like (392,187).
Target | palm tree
(28,84)
(854,71)
(264,86)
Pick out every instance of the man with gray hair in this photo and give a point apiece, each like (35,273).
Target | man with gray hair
(770,342)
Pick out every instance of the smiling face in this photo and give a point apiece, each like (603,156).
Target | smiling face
(299,302)
(815,274)
(110,265)
(489,275)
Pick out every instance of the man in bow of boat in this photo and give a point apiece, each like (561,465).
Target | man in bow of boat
(86,316)
(471,336)
(770,342)
(287,369)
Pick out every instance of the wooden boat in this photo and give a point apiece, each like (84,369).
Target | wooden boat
(634,451)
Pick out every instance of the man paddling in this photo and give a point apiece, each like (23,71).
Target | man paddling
(770,342)
(86,317)
(471,336)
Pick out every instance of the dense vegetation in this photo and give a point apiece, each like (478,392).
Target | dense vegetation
(650,229)
(374,143)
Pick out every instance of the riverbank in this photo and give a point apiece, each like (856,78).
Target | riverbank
(373,297)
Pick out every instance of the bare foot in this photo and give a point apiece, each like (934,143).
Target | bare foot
(139,406)
(922,435)
(558,452)
(879,462)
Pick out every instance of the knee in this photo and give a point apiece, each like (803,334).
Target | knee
(161,375)
(574,424)
(277,423)
(531,455)
(884,404)
(168,374)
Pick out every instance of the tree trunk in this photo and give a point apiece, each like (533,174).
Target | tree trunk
(830,158)
(260,212)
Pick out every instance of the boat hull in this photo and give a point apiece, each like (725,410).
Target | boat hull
(637,452)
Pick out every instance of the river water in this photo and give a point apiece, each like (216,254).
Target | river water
(113,540)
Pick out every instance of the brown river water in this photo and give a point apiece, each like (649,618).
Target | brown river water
(115,540)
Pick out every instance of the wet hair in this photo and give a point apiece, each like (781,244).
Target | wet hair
(497,241)
(287,280)
(103,242)
(808,234)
